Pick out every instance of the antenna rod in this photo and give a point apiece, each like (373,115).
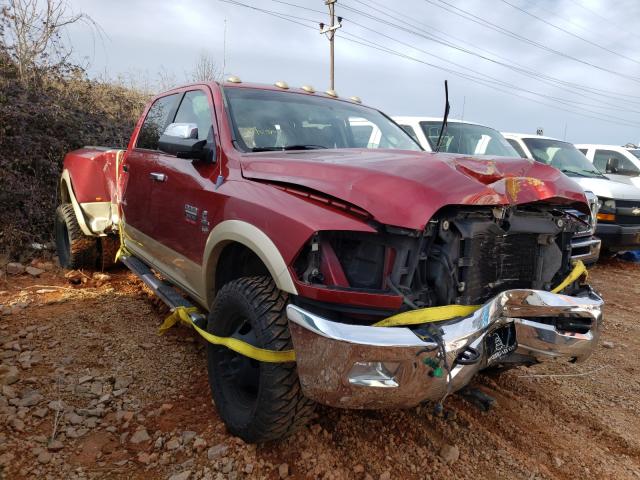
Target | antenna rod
(224,48)
(446,115)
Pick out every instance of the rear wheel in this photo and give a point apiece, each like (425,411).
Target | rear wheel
(258,401)
(109,246)
(75,249)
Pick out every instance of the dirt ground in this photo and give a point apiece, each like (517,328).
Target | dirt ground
(84,363)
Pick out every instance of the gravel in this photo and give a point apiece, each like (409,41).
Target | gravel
(84,364)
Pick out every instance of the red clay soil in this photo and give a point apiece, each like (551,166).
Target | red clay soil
(85,362)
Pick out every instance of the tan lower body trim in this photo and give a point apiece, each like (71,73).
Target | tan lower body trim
(178,269)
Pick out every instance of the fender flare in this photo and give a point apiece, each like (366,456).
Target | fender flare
(65,182)
(254,239)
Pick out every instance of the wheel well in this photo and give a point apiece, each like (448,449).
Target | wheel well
(236,261)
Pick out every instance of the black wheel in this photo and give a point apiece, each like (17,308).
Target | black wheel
(109,246)
(258,401)
(75,249)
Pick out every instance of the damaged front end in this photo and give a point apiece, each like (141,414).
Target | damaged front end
(500,262)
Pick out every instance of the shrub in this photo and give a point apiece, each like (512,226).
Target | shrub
(60,110)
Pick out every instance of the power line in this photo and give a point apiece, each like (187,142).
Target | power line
(511,65)
(497,28)
(519,70)
(586,40)
(489,83)
(373,45)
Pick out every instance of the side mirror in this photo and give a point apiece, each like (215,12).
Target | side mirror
(613,165)
(181,140)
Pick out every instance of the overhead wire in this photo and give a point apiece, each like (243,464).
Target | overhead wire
(510,63)
(575,35)
(365,42)
(472,17)
(351,21)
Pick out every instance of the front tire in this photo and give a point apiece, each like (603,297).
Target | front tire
(75,249)
(258,401)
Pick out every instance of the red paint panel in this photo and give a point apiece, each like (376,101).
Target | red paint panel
(405,188)
(360,299)
(92,173)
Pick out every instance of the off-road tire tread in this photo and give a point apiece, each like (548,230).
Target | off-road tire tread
(83,249)
(282,407)
(109,246)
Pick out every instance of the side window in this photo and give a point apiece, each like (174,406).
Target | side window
(195,109)
(625,166)
(600,159)
(409,129)
(516,146)
(156,121)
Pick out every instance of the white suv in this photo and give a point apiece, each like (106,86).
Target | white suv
(621,164)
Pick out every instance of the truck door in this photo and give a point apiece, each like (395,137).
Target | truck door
(185,204)
(138,165)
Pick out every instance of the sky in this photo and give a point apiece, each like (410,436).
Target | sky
(580,82)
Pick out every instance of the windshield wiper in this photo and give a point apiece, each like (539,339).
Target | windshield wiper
(573,172)
(288,147)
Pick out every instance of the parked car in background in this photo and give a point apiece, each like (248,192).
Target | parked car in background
(621,164)
(618,215)
(459,136)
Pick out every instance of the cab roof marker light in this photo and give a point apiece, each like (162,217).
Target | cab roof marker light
(282,85)
(355,99)
(308,89)
(332,93)
(234,79)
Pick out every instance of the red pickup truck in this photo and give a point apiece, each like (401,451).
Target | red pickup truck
(300,221)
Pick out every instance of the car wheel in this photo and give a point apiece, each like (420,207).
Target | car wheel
(258,401)
(109,246)
(75,249)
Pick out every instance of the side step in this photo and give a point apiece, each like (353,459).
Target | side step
(164,290)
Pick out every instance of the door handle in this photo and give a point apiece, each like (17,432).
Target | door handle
(158,177)
(125,168)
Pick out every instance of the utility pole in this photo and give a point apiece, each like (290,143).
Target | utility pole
(330,32)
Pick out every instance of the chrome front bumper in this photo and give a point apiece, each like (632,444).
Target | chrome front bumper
(355,366)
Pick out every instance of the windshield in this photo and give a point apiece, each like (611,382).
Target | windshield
(265,120)
(562,155)
(468,139)
(635,152)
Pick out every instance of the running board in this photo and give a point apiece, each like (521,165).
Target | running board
(164,290)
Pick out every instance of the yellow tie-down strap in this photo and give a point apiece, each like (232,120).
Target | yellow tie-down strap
(181,314)
(414,317)
(447,312)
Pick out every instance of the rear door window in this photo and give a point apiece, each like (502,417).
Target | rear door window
(516,146)
(158,117)
(601,156)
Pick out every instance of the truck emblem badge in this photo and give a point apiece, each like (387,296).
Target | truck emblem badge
(635,211)
(204,222)
(191,213)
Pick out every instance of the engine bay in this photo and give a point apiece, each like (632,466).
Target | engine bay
(464,256)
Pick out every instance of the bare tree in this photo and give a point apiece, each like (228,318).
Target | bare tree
(166,79)
(206,69)
(32,32)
